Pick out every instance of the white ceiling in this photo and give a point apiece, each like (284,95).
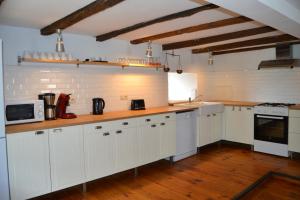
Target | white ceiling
(40,13)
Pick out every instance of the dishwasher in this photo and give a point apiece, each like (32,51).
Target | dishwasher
(186,129)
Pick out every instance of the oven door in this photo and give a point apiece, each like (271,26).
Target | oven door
(271,128)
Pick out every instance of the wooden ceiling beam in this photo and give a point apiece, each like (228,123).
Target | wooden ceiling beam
(181,14)
(249,49)
(218,38)
(200,27)
(246,43)
(87,11)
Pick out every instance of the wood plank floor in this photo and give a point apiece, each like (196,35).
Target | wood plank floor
(214,173)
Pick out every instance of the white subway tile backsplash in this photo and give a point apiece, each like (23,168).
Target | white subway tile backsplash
(87,83)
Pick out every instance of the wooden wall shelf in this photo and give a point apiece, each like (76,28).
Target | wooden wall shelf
(77,63)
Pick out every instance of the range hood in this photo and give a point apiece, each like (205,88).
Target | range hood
(284,58)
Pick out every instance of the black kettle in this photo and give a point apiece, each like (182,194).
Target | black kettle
(98,106)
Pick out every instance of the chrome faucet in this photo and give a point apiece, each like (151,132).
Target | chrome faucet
(196,98)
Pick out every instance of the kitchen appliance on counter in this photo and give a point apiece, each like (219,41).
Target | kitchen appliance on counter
(24,111)
(138,104)
(98,106)
(4,187)
(49,105)
(61,107)
(271,128)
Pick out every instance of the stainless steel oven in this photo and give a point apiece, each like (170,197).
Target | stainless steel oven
(271,128)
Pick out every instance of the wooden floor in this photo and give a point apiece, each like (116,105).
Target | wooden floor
(214,173)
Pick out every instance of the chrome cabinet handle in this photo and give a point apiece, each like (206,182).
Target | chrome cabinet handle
(153,125)
(106,134)
(249,108)
(57,130)
(233,108)
(214,115)
(162,124)
(125,123)
(39,132)
(167,116)
(119,132)
(148,120)
(98,127)
(207,115)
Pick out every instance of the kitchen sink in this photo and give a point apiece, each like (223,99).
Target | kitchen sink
(204,107)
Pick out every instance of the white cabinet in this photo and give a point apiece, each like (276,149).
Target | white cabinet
(127,156)
(149,143)
(99,149)
(28,161)
(210,128)
(167,131)
(239,124)
(66,157)
(294,131)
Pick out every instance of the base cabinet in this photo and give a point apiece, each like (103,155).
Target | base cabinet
(210,128)
(100,153)
(149,144)
(167,132)
(239,124)
(127,156)
(28,163)
(46,161)
(66,157)
(294,131)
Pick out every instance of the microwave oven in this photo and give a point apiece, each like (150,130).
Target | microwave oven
(24,111)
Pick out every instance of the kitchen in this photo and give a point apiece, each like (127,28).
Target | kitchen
(211,114)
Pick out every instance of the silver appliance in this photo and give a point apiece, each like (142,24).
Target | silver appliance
(4,188)
(271,128)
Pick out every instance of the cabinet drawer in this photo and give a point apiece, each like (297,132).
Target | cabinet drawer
(294,113)
(294,125)
(150,119)
(101,127)
(124,123)
(167,117)
(294,142)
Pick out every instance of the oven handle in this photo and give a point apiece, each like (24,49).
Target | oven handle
(268,117)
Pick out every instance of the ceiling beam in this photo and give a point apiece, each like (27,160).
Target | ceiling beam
(181,14)
(200,27)
(249,49)
(78,15)
(218,38)
(246,43)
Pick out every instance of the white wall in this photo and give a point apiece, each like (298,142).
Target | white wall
(235,77)
(28,80)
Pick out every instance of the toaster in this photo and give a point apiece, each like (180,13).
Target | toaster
(138,104)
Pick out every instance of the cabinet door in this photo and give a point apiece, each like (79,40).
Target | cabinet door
(127,156)
(149,144)
(66,157)
(205,130)
(28,161)
(216,127)
(246,125)
(294,142)
(167,131)
(99,148)
(232,121)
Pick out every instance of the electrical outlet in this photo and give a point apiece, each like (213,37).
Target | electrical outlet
(123,97)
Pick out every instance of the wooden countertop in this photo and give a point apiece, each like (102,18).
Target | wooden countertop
(88,119)
(295,107)
(225,102)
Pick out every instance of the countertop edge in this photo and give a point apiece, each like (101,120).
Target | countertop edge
(90,119)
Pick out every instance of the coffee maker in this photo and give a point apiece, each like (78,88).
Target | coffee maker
(61,107)
(49,105)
